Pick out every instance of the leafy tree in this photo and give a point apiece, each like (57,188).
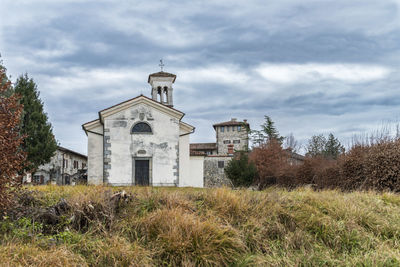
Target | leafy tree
(240,170)
(12,158)
(333,148)
(316,146)
(40,143)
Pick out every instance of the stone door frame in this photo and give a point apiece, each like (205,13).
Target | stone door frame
(150,159)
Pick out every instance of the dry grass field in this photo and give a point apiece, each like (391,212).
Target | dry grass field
(200,227)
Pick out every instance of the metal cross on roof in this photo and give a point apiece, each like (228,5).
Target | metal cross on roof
(161,65)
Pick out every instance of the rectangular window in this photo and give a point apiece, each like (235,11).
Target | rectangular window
(236,141)
(36,179)
(221,164)
(83,165)
(239,128)
(222,129)
(227,141)
(233,128)
(227,128)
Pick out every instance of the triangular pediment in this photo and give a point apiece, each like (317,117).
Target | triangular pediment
(137,101)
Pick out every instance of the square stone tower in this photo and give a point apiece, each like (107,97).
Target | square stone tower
(232,135)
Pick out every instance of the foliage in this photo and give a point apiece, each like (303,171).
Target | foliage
(316,146)
(214,227)
(267,133)
(333,148)
(40,143)
(270,159)
(240,170)
(319,146)
(12,158)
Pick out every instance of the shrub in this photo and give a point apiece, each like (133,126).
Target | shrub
(271,160)
(240,170)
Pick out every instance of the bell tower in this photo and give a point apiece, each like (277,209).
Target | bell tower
(161,86)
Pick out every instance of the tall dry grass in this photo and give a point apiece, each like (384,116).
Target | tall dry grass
(216,227)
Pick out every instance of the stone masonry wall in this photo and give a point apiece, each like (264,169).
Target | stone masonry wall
(231,136)
(214,175)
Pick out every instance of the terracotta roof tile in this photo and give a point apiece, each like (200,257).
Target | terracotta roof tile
(203,146)
(231,123)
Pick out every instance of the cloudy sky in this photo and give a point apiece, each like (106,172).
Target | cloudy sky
(313,66)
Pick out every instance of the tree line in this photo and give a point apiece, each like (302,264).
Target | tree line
(270,152)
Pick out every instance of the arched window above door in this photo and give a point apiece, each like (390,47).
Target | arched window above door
(141,128)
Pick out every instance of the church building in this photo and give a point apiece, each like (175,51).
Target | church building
(143,141)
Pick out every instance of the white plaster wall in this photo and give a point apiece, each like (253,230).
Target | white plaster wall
(162,146)
(95,157)
(184,161)
(195,177)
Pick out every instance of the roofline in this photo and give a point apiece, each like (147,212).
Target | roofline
(154,74)
(88,125)
(233,124)
(145,97)
(71,151)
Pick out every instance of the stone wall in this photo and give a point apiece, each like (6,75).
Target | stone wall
(214,175)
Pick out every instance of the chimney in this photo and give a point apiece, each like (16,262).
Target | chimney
(245,120)
(233,119)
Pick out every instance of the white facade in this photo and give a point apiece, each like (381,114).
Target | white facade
(143,142)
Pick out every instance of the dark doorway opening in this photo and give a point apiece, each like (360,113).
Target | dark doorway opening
(142,172)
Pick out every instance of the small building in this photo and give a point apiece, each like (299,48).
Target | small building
(62,168)
(231,136)
(143,141)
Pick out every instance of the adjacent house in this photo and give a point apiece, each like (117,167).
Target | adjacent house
(64,168)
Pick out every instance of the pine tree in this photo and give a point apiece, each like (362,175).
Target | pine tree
(319,146)
(40,143)
(267,133)
(270,131)
(333,148)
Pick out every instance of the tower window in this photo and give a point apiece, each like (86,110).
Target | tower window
(221,164)
(227,128)
(141,128)
(239,128)
(236,141)
(222,129)
(227,141)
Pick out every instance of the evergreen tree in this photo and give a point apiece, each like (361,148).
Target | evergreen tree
(241,171)
(40,143)
(329,148)
(267,133)
(270,131)
(333,148)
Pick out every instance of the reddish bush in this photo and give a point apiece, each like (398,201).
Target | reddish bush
(363,167)
(12,157)
(271,162)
